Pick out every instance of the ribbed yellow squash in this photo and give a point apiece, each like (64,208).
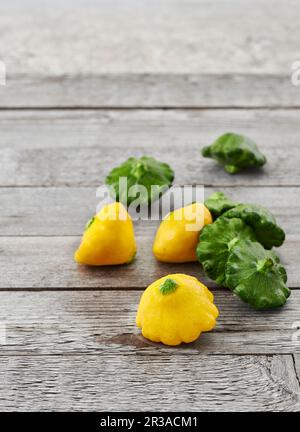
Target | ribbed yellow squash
(178,234)
(108,238)
(176,308)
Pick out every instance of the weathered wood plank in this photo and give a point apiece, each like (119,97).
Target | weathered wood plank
(138,36)
(65,211)
(113,382)
(151,91)
(141,53)
(53,323)
(47,262)
(79,148)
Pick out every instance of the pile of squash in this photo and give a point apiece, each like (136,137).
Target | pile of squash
(233,242)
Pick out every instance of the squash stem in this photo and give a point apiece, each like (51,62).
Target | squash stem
(264,265)
(168,287)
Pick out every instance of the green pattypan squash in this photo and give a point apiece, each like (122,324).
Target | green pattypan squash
(218,203)
(261,220)
(145,171)
(256,275)
(215,242)
(235,152)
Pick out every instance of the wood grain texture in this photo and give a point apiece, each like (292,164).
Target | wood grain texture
(71,343)
(141,53)
(121,382)
(47,263)
(136,53)
(65,323)
(82,37)
(65,211)
(151,91)
(79,148)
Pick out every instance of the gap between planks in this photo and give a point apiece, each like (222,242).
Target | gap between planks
(152,108)
(296,360)
(149,354)
(208,185)
(93,289)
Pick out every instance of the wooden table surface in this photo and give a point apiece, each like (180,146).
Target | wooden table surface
(88,85)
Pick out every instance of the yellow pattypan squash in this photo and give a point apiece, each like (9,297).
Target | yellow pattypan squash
(176,308)
(108,238)
(178,234)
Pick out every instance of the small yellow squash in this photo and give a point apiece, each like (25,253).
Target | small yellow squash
(176,308)
(178,234)
(108,238)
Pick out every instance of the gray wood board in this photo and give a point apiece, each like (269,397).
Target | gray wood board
(152,91)
(53,211)
(103,322)
(79,148)
(114,382)
(47,263)
(71,341)
(79,37)
(141,53)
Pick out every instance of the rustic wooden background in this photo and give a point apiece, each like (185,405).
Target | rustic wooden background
(90,83)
